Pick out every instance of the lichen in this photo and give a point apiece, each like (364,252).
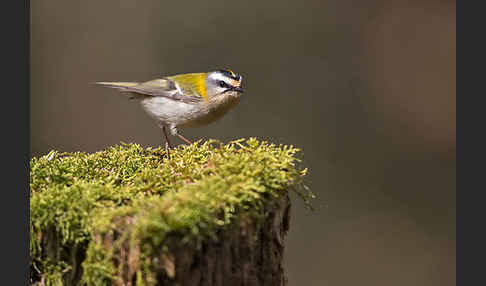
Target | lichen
(126,206)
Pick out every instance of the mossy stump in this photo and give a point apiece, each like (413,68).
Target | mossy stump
(210,214)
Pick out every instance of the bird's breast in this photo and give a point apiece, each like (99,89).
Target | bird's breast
(172,112)
(214,110)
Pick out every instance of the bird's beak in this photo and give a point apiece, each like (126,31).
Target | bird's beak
(238,89)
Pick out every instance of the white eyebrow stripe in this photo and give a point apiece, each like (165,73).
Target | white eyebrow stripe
(217,76)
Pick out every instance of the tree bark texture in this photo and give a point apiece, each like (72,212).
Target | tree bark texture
(246,253)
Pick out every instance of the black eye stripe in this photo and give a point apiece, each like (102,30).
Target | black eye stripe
(223,84)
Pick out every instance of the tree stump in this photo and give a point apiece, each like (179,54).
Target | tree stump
(209,215)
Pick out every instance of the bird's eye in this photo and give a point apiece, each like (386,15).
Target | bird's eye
(222,84)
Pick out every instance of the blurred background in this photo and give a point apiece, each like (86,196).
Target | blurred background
(366,88)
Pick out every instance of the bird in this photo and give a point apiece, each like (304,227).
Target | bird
(184,100)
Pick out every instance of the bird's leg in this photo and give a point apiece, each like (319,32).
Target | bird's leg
(174,131)
(184,138)
(167,142)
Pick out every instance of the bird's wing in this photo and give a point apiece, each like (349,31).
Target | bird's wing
(158,87)
(166,88)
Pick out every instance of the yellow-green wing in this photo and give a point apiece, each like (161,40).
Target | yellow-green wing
(192,84)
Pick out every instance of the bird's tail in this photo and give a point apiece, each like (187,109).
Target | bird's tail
(118,85)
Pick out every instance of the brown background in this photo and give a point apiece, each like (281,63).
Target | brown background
(366,88)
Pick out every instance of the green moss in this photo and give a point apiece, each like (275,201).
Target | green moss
(137,202)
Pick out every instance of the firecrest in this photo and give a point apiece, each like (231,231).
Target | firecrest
(185,100)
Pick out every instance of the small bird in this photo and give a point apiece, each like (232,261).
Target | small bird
(185,100)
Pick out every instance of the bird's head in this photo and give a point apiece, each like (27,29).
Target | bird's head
(224,82)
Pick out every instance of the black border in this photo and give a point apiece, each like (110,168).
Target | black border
(14,208)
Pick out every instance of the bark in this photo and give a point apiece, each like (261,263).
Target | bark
(245,255)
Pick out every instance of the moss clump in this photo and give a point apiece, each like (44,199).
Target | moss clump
(146,203)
